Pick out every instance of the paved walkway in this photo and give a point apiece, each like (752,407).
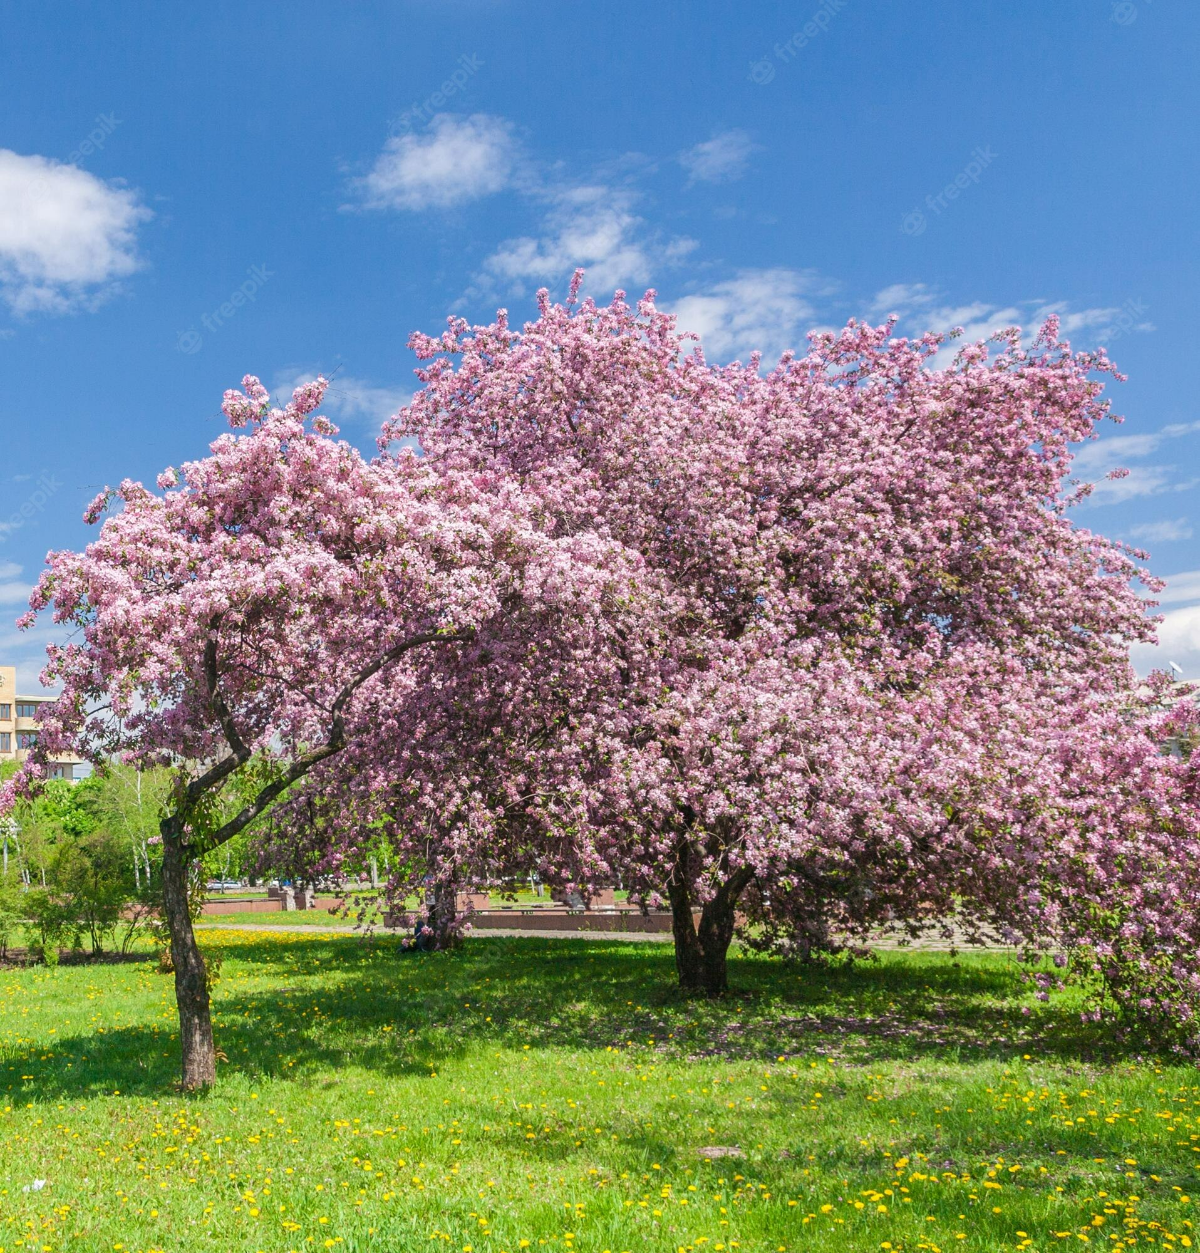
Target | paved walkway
(932,944)
(655,937)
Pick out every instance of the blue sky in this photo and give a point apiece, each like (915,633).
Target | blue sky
(191,193)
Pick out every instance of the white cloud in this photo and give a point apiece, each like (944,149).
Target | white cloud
(1140,481)
(26,650)
(65,235)
(920,309)
(1181,588)
(1165,531)
(14,593)
(349,400)
(770,310)
(592,226)
(900,298)
(978,321)
(721,159)
(1178,641)
(1099,457)
(1102,455)
(457,160)
(1108,324)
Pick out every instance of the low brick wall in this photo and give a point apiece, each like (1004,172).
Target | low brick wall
(262,905)
(549,918)
(571,920)
(241,905)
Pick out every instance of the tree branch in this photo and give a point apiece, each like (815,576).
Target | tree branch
(334,743)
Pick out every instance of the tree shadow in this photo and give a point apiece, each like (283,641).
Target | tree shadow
(341,1003)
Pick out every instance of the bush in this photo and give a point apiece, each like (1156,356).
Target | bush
(50,920)
(94,879)
(12,909)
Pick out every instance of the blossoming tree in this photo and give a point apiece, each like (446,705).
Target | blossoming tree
(243,623)
(869,604)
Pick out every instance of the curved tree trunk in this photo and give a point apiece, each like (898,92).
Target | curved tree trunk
(191,986)
(701,951)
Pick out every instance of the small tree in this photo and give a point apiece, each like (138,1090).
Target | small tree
(93,882)
(12,908)
(250,619)
(131,803)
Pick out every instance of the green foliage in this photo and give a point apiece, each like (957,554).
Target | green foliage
(12,913)
(94,879)
(81,865)
(49,922)
(213,960)
(130,804)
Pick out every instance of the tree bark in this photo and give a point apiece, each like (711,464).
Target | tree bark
(701,952)
(689,959)
(199,1058)
(443,911)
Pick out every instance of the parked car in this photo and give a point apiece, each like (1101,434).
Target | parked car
(222,885)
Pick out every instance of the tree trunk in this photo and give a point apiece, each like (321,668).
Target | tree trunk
(191,986)
(701,951)
(689,960)
(442,914)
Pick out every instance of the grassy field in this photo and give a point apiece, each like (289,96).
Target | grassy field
(558,1095)
(291,918)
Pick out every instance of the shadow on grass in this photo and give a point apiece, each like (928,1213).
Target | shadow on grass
(346,1002)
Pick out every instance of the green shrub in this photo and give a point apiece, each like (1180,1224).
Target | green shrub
(12,909)
(93,877)
(49,920)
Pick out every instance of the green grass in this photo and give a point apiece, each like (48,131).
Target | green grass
(289,918)
(556,1095)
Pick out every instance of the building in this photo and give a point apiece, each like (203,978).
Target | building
(19,728)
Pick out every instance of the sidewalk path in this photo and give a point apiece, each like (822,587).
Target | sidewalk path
(300,929)
(932,944)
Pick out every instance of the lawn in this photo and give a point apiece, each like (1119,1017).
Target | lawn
(289,918)
(559,1094)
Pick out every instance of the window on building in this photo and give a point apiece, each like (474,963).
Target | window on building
(5,741)
(26,709)
(58,770)
(26,739)
(5,713)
